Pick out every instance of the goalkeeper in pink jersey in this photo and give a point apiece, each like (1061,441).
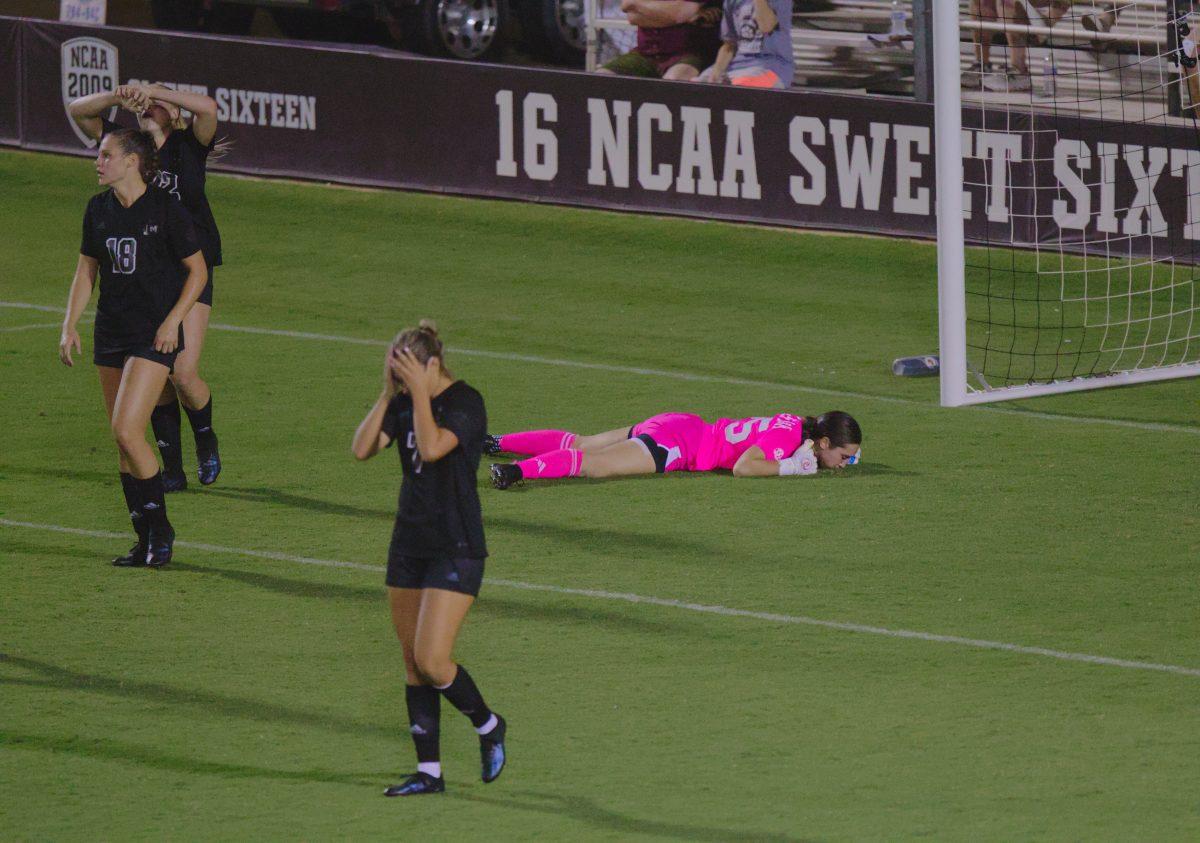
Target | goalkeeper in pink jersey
(762,446)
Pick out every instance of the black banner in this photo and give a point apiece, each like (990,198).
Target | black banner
(793,158)
(10,81)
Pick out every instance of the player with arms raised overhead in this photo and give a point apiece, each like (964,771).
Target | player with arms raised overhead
(783,444)
(141,243)
(184,150)
(435,561)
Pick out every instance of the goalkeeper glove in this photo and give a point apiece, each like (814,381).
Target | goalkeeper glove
(803,462)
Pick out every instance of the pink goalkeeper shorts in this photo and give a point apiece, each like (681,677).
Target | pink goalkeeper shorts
(678,437)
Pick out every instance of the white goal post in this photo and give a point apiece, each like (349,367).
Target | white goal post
(1069,235)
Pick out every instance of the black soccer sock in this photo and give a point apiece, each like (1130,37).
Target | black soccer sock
(424,719)
(464,695)
(165,422)
(202,424)
(134,505)
(152,501)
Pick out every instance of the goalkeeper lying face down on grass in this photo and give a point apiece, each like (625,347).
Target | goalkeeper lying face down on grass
(766,446)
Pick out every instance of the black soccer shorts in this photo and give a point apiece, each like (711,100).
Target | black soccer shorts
(449,574)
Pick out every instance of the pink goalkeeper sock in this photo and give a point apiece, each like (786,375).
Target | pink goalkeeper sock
(535,442)
(561,463)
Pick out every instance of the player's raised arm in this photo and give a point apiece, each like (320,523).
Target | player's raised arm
(422,380)
(87,111)
(202,106)
(370,438)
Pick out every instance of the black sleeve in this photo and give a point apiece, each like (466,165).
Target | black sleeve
(391,420)
(181,233)
(466,417)
(202,148)
(90,245)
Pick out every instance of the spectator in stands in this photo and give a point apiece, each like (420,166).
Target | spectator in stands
(676,39)
(756,45)
(1022,13)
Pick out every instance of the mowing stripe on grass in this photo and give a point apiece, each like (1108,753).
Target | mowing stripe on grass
(624,597)
(684,376)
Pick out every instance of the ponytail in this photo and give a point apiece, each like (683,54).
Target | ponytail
(141,144)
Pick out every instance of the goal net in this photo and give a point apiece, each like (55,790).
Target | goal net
(1069,237)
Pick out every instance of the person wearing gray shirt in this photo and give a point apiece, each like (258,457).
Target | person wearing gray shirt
(756,48)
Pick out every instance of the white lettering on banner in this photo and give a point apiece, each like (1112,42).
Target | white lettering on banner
(695,153)
(1080,196)
(1106,220)
(609,142)
(908,170)
(858,171)
(1186,163)
(264,108)
(739,157)
(1008,147)
(812,191)
(506,163)
(1073,181)
(541,145)
(1144,203)
(652,117)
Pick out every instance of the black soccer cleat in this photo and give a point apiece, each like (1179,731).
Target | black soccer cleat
(417,784)
(161,544)
(174,481)
(505,475)
(491,751)
(135,558)
(208,460)
(491,444)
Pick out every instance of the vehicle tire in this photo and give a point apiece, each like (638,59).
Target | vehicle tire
(472,30)
(555,30)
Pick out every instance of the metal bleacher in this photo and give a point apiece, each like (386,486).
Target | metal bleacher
(1120,74)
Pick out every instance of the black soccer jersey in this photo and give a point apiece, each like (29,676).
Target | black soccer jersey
(139,249)
(439,513)
(182,170)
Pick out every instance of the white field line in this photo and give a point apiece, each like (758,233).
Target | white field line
(11,328)
(683,376)
(596,594)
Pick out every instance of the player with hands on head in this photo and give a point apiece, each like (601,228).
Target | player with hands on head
(184,149)
(762,446)
(436,556)
(142,246)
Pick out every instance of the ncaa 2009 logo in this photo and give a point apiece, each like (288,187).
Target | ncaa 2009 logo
(89,66)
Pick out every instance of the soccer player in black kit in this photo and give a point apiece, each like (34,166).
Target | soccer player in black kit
(141,243)
(435,561)
(184,149)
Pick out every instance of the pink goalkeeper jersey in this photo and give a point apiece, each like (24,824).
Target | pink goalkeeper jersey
(727,439)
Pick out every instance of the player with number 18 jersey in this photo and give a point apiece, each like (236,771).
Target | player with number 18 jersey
(139,250)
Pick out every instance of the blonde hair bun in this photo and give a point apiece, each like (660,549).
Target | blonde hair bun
(428,325)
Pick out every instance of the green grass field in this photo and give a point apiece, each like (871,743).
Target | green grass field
(242,696)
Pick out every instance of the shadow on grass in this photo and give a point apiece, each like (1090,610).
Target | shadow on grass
(491,604)
(107,477)
(587,811)
(106,750)
(47,675)
(595,539)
